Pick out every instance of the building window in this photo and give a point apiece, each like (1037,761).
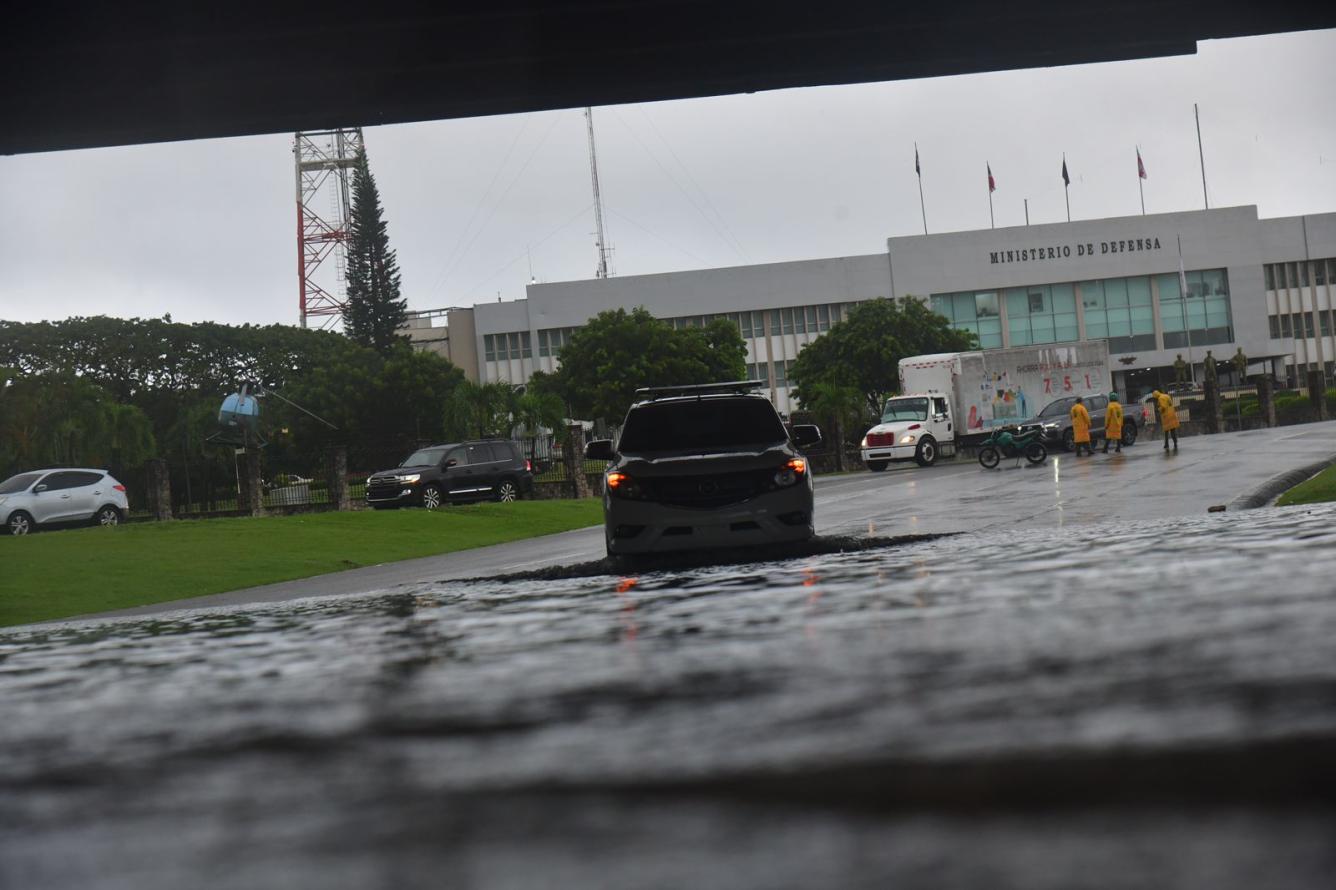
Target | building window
(1275,326)
(488,348)
(1292,274)
(823,317)
(759,371)
(526,345)
(1203,318)
(1285,330)
(1325,319)
(1303,275)
(1270,277)
(1041,314)
(781,375)
(1119,310)
(1320,272)
(973,312)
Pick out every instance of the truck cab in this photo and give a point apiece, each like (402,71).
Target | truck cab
(919,427)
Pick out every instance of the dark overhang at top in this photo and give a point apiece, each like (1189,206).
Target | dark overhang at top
(148,72)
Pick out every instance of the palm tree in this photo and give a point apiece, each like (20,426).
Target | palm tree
(835,405)
(539,409)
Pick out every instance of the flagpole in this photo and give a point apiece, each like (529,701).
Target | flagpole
(1027,211)
(1201,157)
(1066,184)
(919,172)
(1183,307)
(1140,188)
(990,210)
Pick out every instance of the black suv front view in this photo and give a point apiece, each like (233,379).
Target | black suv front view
(464,471)
(703,467)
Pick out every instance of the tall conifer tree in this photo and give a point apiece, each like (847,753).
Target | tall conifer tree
(375,311)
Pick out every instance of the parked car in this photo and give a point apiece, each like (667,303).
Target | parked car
(1056,420)
(477,470)
(62,496)
(699,467)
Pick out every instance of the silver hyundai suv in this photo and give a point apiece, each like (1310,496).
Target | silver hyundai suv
(702,467)
(61,496)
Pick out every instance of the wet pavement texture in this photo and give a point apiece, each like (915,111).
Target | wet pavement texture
(1146,702)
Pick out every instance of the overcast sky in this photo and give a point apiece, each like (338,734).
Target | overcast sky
(206,230)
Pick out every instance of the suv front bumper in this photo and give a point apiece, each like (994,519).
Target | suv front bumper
(775,517)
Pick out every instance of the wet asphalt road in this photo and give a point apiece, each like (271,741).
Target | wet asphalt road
(955,496)
(1097,685)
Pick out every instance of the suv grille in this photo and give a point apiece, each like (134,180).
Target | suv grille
(379,487)
(708,490)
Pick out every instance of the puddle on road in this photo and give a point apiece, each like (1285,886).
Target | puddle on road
(318,741)
(821,545)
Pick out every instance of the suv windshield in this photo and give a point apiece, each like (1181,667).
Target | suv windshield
(1057,409)
(704,424)
(905,409)
(425,457)
(15,484)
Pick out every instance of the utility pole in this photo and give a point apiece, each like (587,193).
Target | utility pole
(600,243)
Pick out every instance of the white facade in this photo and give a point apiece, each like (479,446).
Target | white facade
(1249,282)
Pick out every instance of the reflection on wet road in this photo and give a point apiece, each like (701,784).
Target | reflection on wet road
(1147,703)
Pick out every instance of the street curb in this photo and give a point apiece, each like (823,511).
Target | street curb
(1277,485)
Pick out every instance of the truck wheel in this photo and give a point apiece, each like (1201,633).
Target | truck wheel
(989,457)
(877,466)
(1129,434)
(926,453)
(1036,453)
(1068,440)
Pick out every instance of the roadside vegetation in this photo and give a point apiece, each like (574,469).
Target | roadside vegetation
(1320,489)
(81,571)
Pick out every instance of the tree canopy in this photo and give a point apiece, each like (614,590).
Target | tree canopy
(374,311)
(864,350)
(177,375)
(618,352)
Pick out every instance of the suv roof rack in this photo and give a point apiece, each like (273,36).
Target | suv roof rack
(650,393)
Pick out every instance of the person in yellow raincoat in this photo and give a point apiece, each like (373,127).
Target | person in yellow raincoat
(1164,406)
(1113,424)
(1081,427)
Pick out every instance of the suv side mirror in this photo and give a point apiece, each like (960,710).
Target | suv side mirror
(39,488)
(806,435)
(449,463)
(600,449)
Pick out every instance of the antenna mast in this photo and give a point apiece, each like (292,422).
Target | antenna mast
(601,243)
(324,164)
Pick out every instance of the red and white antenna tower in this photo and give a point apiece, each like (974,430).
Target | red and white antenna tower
(324,161)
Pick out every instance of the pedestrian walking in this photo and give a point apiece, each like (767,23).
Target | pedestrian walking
(1164,406)
(1081,427)
(1113,424)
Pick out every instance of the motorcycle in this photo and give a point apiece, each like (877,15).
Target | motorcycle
(1012,441)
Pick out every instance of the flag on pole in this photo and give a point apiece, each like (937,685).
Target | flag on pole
(992,183)
(1182,275)
(1066,180)
(916,162)
(1141,168)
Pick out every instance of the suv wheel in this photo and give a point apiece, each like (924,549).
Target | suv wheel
(107,516)
(19,523)
(1068,440)
(431,497)
(507,491)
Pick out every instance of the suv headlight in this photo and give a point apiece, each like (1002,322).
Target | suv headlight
(411,477)
(623,486)
(789,473)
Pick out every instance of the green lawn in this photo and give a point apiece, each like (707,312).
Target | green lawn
(59,574)
(1320,488)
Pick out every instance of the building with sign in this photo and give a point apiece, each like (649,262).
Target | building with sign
(1157,287)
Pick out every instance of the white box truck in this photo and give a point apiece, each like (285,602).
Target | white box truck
(953,398)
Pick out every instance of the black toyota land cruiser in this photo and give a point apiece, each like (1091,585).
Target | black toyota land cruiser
(465,471)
